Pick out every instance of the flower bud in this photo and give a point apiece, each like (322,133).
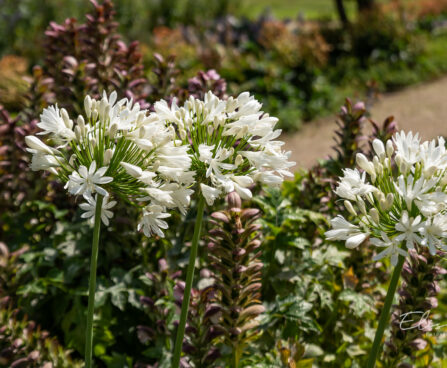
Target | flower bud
(374,215)
(95,115)
(210,129)
(72,159)
(361,204)
(389,148)
(93,142)
(389,200)
(80,121)
(182,133)
(238,160)
(350,208)
(379,148)
(108,156)
(113,130)
(88,106)
(364,164)
(78,132)
(68,123)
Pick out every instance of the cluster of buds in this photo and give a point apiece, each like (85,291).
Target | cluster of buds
(411,318)
(234,251)
(231,143)
(115,148)
(404,202)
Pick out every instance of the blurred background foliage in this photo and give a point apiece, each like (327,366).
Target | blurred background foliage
(319,301)
(300,58)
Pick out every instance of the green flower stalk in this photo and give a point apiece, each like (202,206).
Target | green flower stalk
(232,146)
(115,149)
(403,205)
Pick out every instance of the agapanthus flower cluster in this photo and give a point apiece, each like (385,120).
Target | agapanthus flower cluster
(115,149)
(231,143)
(398,200)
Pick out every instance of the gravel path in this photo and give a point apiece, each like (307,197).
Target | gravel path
(421,108)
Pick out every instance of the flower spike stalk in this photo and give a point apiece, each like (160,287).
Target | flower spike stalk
(92,284)
(118,149)
(398,202)
(232,146)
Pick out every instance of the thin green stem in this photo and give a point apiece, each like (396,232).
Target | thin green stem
(188,285)
(385,315)
(92,284)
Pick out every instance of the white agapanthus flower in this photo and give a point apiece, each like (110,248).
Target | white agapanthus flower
(90,208)
(116,149)
(398,199)
(231,143)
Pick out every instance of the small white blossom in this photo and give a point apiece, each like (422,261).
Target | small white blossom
(152,221)
(392,248)
(90,208)
(88,181)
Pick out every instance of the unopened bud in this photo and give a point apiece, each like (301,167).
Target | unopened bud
(88,106)
(72,160)
(108,156)
(389,148)
(379,148)
(361,204)
(182,133)
(350,208)
(389,200)
(210,129)
(78,133)
(374,215)
(80,121)
(68,123)
(238,160)
(93,142)
(113,130)
(95,115)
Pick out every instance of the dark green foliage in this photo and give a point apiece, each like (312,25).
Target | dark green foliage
(24,345)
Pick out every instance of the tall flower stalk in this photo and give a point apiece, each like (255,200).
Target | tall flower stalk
(232,145)
(117,149)
(403,205)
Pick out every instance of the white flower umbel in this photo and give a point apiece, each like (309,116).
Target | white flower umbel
(398,201)
(400,194)
(115,149)
(232,145)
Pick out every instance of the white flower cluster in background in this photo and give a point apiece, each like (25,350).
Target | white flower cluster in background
(398,200)
(116,149)
(231,143)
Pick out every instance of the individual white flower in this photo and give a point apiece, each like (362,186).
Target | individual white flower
(344,230)
(88,181)
(90,208)
(434,232)
(407,146)
(51,122)
(209,193)
(408,228)
(353,184)
(152,221)
(392,249)
(43,162)
(410,190)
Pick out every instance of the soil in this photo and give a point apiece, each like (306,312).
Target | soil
(421,108)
